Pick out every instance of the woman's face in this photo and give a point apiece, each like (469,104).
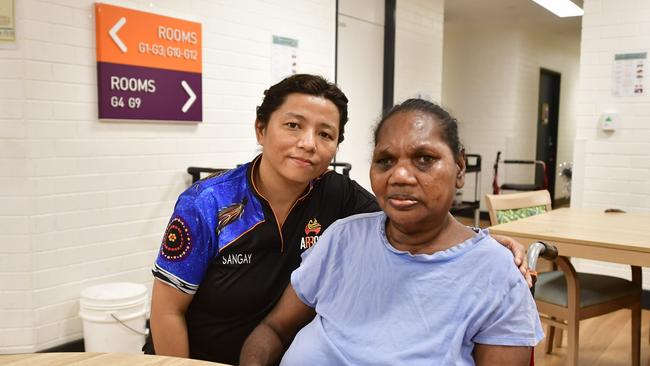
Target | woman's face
(300,138)
(413,173)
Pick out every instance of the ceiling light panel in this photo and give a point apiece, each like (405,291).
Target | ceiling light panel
(561,8)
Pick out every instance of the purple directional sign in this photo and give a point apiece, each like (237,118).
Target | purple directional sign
(145,93)
(148,66)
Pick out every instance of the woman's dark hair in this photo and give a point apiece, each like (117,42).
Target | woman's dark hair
(303,84)
(448,124)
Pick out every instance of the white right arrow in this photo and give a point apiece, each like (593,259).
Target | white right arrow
(113,34)
(189,92)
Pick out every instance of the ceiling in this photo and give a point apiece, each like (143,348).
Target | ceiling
(512,11)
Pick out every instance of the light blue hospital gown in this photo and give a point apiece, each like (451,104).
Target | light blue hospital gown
(379,306)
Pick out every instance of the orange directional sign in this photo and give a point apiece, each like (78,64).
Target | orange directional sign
(131,37)
(148,65)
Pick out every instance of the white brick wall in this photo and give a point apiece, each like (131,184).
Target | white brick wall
(16,309)
(616,171)
(560,53)
(490,83)
(418,67)
(418,49)
(617,168)
(478,89)
(85,202)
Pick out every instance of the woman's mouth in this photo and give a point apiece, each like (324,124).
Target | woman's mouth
(402,202)
(302,162)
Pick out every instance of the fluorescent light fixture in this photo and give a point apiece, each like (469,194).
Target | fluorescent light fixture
(561,8)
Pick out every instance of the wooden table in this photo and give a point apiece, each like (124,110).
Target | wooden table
(592,234)
(587,233)
(97,359)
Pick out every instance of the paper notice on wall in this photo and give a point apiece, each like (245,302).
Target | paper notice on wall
(284,58)
(629,74)
(7,21)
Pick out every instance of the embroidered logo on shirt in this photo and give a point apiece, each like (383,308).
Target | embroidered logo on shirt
(177,241)
(229,214)
(312,229)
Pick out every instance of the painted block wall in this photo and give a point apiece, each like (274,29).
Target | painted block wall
(479,90)
(616,164)
(613,168)
(419,49)
(559,53)
(85,202)
(16,318)
(491,83)
(418,67)
(359,73)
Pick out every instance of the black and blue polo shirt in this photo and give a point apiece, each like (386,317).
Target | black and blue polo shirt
(223,244)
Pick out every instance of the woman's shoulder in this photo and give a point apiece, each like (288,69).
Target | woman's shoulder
(331,179)
(493,257)
(356,225)
(349,235)
(214,193)
(340,190)
(360,220)
(217,184)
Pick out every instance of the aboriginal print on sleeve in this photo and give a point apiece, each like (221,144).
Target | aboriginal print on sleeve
(209,216)
(186,248)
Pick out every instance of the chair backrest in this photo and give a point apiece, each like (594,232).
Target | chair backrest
(510,207)
(195,172)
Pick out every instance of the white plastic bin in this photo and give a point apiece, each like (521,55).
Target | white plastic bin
(114,317)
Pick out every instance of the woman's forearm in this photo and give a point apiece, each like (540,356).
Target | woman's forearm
(169,333)
(489,355)
(262,347)
(268,341)
(168,327)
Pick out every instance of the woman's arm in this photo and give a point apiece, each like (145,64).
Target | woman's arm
(168,327)
(268,341)
(488,355)
(519,252)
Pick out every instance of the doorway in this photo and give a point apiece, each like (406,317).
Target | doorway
(547,127)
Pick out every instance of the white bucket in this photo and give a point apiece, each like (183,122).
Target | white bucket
(114,317)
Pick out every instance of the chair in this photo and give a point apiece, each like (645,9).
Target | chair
(565,297)
(196,171)
(539,166)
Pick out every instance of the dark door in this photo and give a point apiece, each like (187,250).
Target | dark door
(547,122)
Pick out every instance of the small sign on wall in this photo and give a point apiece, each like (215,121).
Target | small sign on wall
(148,66)
(629,74)
(284,58)
(7,21)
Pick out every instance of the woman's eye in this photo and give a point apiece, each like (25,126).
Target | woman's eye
(384,162)
(425,159)
(326,136)
(292,125)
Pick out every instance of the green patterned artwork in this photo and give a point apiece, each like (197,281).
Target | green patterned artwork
(504,216)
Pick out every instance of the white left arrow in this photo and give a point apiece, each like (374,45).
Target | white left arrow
(189,92)
(113,34)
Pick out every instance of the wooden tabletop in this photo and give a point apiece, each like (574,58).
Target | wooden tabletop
(587,233)
(97,359)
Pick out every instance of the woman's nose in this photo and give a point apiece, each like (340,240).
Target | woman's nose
(307,141)
(402,174)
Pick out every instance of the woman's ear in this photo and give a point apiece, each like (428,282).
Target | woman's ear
(461,165)
(259,131)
